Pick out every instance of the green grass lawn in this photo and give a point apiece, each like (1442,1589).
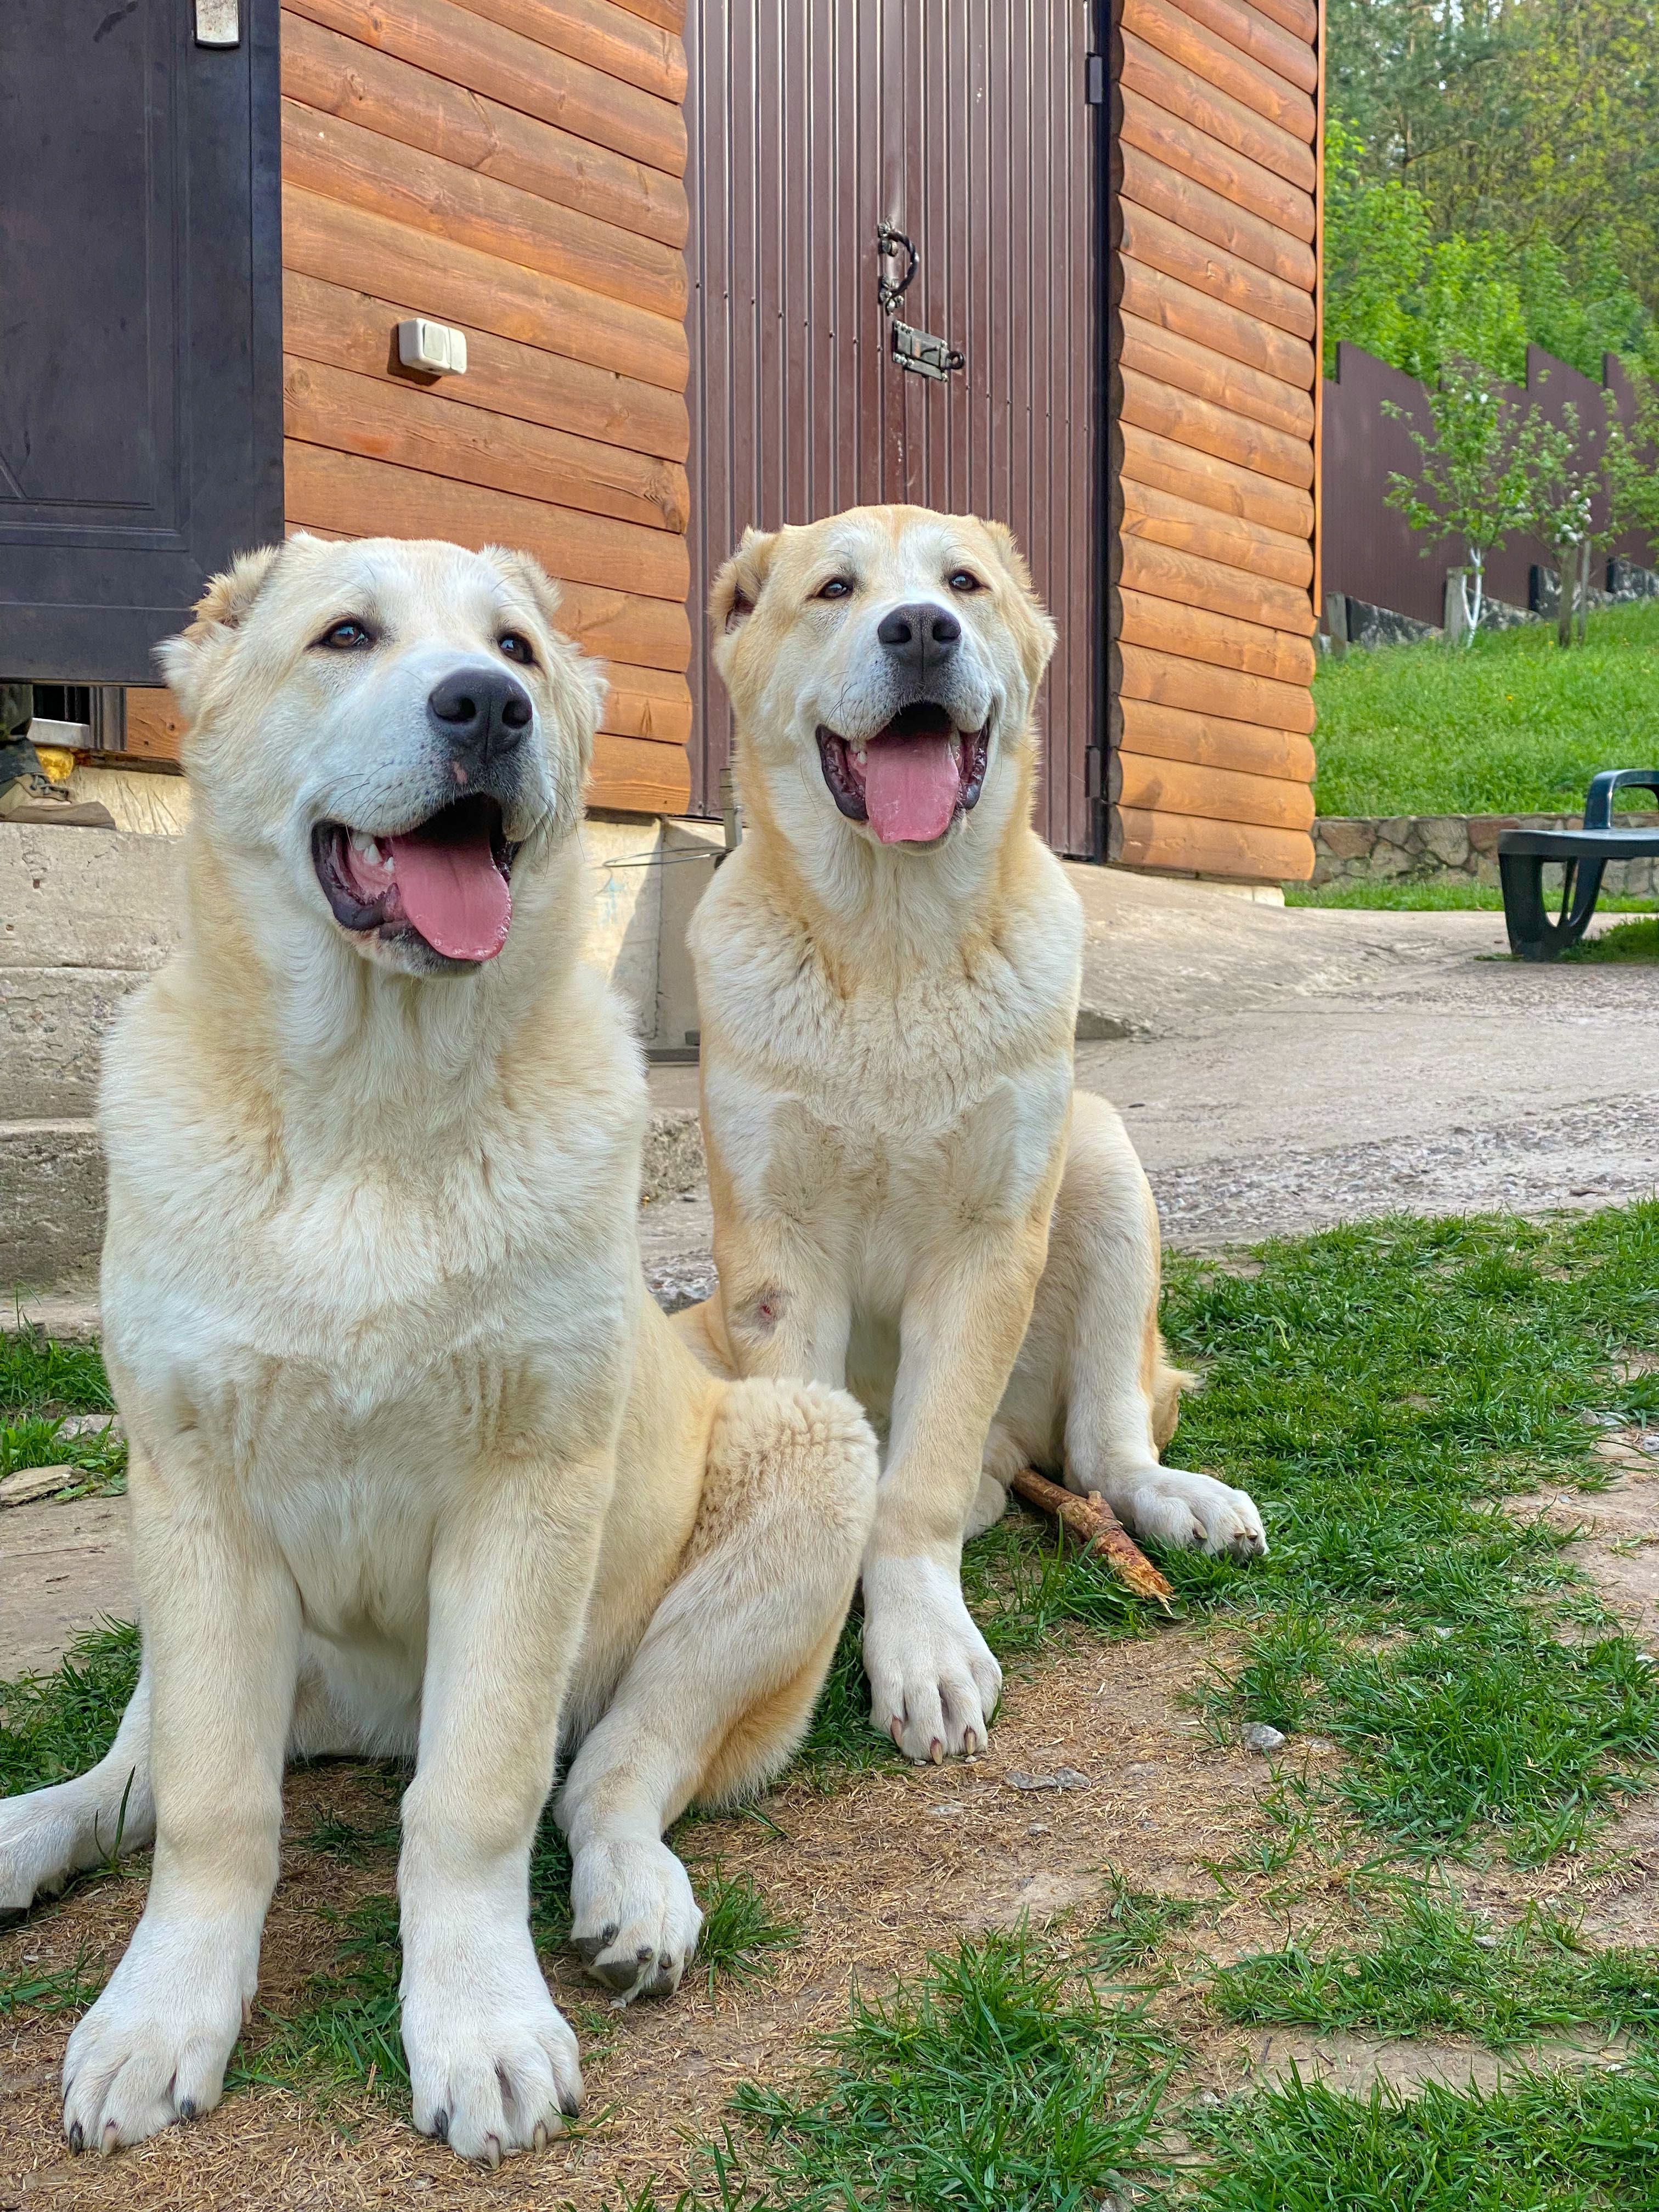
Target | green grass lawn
(42,1384)
(1441,898)
(1513,725)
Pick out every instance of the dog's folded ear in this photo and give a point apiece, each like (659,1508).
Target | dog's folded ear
(740,582)
(1036,636)
(529,574)
(222,610)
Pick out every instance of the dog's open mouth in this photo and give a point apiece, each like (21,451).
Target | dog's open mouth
(448,881)
(911,780)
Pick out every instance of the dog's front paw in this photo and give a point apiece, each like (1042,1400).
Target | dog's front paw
(152,2049)
(1189,1512)
(933,1683)
(493,2065)
(634,1919)
(40,1846)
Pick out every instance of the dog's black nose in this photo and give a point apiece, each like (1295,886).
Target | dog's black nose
(480,710)
(920,637)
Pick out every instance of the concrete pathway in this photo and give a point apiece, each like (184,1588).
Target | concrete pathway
(1282,1069)
(1297,1068)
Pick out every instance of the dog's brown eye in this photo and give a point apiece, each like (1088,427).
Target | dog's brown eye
(838,587)
(963,580)
(516,648)
(347,636)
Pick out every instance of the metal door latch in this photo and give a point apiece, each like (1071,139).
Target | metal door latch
(919,353)
(923,354)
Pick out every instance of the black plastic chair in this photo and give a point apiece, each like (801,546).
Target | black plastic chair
(1583,853)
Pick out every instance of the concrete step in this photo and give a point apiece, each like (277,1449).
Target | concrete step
(51,1205)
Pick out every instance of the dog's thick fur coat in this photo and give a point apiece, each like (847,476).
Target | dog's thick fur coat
(417,1466)
(887,1088)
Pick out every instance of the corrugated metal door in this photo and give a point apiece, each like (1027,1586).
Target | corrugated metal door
(964,124)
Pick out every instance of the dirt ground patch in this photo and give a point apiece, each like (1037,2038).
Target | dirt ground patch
(888,1868)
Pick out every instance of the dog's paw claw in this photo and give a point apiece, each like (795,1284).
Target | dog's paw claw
(934,1680)
(641,1895)
(1192,1512)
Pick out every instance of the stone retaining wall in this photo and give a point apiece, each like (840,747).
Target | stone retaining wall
(1450,849)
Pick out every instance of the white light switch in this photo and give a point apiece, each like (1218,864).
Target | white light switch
(218,22)
(435,348)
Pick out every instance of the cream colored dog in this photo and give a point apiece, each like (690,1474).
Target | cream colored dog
(887,978)
(418,1467)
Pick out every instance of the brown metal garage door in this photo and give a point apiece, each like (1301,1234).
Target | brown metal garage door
(963,124)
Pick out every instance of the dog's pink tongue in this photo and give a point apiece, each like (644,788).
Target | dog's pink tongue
(911,786)
(453,892)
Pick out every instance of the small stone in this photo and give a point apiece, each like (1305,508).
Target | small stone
(107,1425)
(1039,1828)
(1346,837)
(31,1483)
(1096,1027)
(1260,1738)
(1486,1942)
(1446,836)
(1063,1778)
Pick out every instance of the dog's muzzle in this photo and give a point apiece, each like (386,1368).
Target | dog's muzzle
(913,779)
(446,881)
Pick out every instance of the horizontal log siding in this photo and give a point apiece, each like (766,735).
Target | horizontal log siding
(1214,282)
(515,168)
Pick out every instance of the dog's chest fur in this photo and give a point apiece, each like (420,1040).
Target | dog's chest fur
(351,1335)
(875,1105)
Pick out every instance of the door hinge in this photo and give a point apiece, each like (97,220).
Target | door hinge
(1094,80)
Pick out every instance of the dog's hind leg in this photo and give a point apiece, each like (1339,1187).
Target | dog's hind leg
(720,1690)
(51,1834)
(1097,1315)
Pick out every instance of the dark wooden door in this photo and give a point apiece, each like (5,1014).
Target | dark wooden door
(140,322)
(964,124)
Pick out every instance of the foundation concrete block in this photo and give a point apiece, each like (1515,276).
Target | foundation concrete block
(51,1203)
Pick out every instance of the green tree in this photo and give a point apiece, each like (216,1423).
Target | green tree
(1377,241)
(1588,485)
(1475,482)
(1533,120)
(1630,465)
(1561,508)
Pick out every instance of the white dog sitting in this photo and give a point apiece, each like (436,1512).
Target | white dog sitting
(418,1467)
(908,1196)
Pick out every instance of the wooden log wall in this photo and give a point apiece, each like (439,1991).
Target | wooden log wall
(1213,347)
(514,168)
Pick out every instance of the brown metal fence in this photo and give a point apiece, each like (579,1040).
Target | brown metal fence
(1368,551)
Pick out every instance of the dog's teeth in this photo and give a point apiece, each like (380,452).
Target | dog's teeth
(861,754)
(368,851)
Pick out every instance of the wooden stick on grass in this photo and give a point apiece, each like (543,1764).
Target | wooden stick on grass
(1092,1522)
